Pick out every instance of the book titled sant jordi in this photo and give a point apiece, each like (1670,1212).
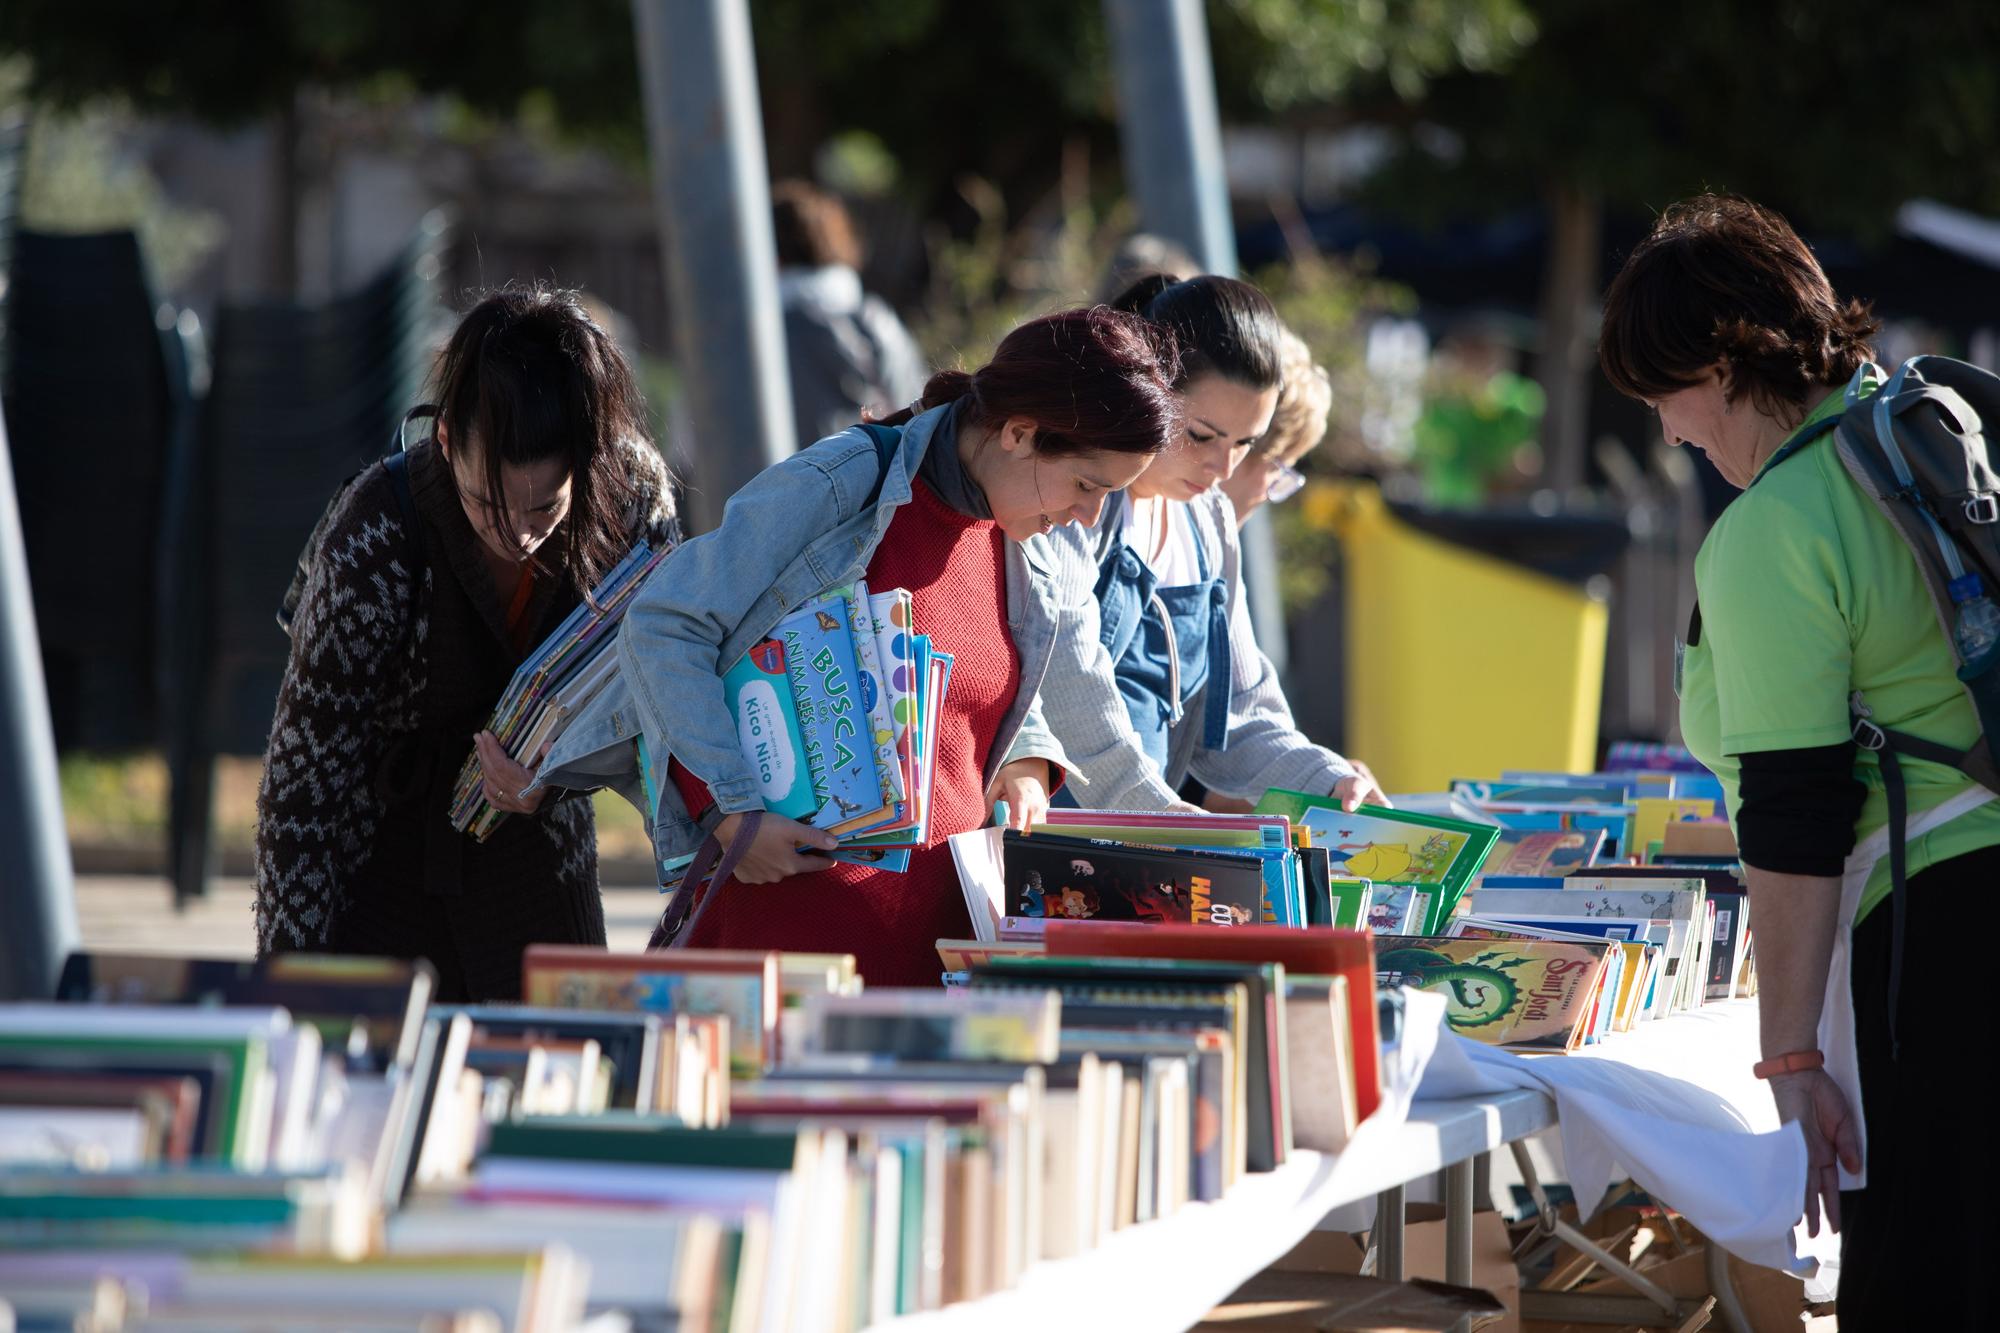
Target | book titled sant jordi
(1524,994)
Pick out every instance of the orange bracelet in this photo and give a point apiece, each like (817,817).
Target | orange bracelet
(1792,1062)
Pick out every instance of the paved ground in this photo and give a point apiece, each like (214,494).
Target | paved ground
(136,913)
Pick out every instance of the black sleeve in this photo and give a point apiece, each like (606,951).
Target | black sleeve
(1797,809)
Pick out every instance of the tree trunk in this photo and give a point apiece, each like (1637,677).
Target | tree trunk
(1569,294)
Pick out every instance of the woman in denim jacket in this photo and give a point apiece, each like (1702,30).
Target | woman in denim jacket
(1070,409)
(1169,642)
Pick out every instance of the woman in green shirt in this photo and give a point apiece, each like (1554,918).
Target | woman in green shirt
(1723,322)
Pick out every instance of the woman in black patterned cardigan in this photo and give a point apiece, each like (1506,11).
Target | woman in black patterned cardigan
(542,475)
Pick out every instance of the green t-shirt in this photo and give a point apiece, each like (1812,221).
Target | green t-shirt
(1807,593)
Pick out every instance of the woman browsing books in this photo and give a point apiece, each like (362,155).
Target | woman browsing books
(1170,614)
(1815,627)
(954,506)
(541,476)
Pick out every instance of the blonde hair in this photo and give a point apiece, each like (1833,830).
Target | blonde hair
(1304,401)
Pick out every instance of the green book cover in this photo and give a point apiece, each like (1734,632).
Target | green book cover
(1350,902)
(1390,846)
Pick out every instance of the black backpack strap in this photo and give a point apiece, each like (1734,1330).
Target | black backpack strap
(1888,747)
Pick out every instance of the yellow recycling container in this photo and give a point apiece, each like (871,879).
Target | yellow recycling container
(1459,665)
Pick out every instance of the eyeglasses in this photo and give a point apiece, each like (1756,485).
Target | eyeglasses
(1285,481)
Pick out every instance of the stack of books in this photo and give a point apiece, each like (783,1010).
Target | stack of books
(1297,861)
(566,672)
(836,712)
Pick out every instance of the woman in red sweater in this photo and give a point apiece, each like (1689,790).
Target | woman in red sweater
(1070,409)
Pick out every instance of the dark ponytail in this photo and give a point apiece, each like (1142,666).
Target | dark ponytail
(1094,380)
(1223,326)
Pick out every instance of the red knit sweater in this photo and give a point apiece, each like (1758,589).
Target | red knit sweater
(954,568)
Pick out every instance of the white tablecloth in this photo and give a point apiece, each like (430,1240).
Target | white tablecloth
(1673,1104)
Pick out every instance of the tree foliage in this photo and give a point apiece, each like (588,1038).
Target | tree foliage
(1835,109)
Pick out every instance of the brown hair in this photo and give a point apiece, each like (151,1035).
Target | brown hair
(1299,424)
(529,376)
(1722,279)
(812,227)
(1091,380)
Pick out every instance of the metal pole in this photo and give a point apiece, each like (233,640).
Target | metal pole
(1172,143)
(37,898)
(713,196)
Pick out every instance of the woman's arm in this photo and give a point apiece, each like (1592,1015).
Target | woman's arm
(671,640)
(315,806)
(1795,919)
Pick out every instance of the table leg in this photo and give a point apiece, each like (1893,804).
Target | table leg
(1458,1231)
(1722,1286)
(1389,1215)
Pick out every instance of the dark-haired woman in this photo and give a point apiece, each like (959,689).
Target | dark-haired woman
(1171,620)
(1723,321)
(1069,410)
(541,475)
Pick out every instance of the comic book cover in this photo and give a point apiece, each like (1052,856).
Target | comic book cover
(1522,994)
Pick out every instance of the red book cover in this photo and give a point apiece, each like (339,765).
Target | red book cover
(1313,951)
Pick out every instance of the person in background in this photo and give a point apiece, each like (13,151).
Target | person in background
(986,465)
(1170,615)
(1269,472)
(540,477)
(1807,599)
(849,353)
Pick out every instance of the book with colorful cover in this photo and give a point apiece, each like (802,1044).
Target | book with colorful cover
(833,716)
(1390,846)
(1089,879)
(741,986)
(1542,851)
(1536,995)
(875,693)
(758,690)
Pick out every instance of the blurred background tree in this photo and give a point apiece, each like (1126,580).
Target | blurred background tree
(1826,109)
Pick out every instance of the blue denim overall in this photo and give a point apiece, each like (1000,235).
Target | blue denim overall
(1165,645)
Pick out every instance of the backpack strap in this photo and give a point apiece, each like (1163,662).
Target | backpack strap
(887,440)
(1888,745)
(397,466)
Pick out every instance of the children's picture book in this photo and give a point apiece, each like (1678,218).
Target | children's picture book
(833,715)
(741,986)
(1543,852)
(1522,994)
(874,690)
(759,693)
(1398,909)
(1394,846)
(1092,879)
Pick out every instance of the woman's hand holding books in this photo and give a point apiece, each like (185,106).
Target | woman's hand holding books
(780,849)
